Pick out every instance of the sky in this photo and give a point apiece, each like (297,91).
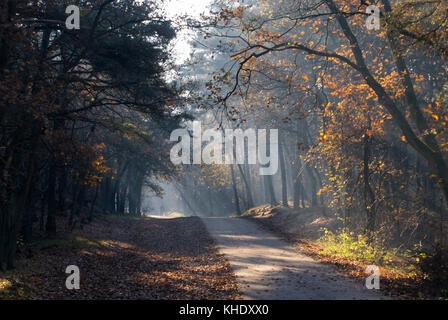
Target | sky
(193,8)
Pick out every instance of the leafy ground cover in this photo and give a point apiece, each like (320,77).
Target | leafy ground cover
(124,259)
(312,233)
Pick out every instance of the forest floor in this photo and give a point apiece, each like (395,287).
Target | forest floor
(268,268)
(302,229)
(124,258)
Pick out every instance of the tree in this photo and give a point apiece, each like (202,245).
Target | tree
(380,78)
(65,94)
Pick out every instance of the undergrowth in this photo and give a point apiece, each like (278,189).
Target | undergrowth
(358,247)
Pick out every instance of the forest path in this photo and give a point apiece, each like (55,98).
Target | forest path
(269,268)
(125,258)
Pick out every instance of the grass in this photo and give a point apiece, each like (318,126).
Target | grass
(171,214)
(346,245)
(121,216)
(69,241)
(350,246)
(14,283)
(174,214)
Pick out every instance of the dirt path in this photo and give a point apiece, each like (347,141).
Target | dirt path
(268,268)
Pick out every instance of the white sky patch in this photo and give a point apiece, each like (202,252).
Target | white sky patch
(192,8)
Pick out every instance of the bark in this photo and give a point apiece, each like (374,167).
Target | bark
(62,184)
(428,148)
(92,207)
(297,193)
(250,201)
(25,209)
(369,196)
(121,201)
(106,197)
(313,186)
(298,186)
(117,195)
(269,187)
(79,206)
(134,196)
(10,207)
(283,175)
(235,192)
(51,201)
(7,11)
(319,179)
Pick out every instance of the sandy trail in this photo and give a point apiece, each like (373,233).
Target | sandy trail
(269,268)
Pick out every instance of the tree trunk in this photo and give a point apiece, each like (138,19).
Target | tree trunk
(51,205)
(134,195)
(62,183)
(269,187)
(313,186)
(250,201)
(121,201)
(92,207)
(235,192)
(428,148)
(283,175)
(369,196)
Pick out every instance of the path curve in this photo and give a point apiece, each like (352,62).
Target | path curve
(268,268)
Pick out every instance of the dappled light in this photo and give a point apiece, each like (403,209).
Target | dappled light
(223,149)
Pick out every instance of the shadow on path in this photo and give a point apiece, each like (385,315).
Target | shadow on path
(268,268)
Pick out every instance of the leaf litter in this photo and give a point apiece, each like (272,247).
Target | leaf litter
(120,258)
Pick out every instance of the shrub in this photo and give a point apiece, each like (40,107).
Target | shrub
(353,247)
(434,265)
